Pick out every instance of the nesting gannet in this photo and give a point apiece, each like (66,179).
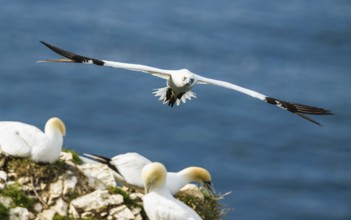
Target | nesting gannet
(180,82)
(23,140)
(128,169)
(159,204)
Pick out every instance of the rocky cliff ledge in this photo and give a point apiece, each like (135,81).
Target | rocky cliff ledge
(72,189)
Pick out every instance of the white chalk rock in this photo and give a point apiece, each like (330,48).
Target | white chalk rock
(19,213)
(92,201)
(3,179)
(6,201)
(23,180)
(55,190)
(66,156)
(103,214)
(122,212)
(60,207)
(38,207)
(87,215)
(73,212)
(136,196)
(192,190)
(115,199)
(69,184)
(99,175)
(3,176)
(136,210)
(46,215)
(138,217)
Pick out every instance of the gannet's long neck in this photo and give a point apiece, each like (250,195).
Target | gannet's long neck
(178,177)
(175,181)
(53,133)
(53,139)
(162,190)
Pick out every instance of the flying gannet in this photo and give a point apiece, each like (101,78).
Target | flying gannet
(180,82)
(127,171)
(159,204)
(23,140)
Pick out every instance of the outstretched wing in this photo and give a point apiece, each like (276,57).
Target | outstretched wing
(76,58)
(298,109)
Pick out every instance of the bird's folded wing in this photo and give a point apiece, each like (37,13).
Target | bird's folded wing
(130,166)
(12,143)
(176,209)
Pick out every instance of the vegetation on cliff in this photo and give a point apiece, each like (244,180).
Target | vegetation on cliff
(72,189)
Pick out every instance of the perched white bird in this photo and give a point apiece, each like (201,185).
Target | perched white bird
(180,82)
(159,204)
(128,169)
(23,140)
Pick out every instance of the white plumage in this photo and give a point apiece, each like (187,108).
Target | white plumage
(23,140)
(128,169)
(159,204)
(180,82)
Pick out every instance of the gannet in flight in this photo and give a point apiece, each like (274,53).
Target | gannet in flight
(159,204)
(127,170)
(180,82)
(23,140)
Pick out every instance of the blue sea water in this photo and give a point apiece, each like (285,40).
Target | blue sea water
(277,165)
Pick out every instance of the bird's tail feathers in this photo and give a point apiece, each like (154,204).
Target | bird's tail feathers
(168,96)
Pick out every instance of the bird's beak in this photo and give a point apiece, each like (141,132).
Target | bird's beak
(57,61)
(209,187)
(147,188)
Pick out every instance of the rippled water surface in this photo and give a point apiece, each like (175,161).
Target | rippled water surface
(277,165)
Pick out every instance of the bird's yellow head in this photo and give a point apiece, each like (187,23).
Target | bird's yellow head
(57,123)
(200,175)
(153,176)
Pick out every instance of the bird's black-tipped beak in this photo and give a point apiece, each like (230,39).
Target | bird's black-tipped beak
(209,187)
(147,188)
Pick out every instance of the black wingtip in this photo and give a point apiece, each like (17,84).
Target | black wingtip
(299,109)
(74,57)
(309,119)
(103,160)
(43,42)
(46,44)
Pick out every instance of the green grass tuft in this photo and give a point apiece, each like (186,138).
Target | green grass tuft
(130,203)
(60,217)
(75,155)
(4,212)
(19,198)
(127,200)
(40,172)
(208,208)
